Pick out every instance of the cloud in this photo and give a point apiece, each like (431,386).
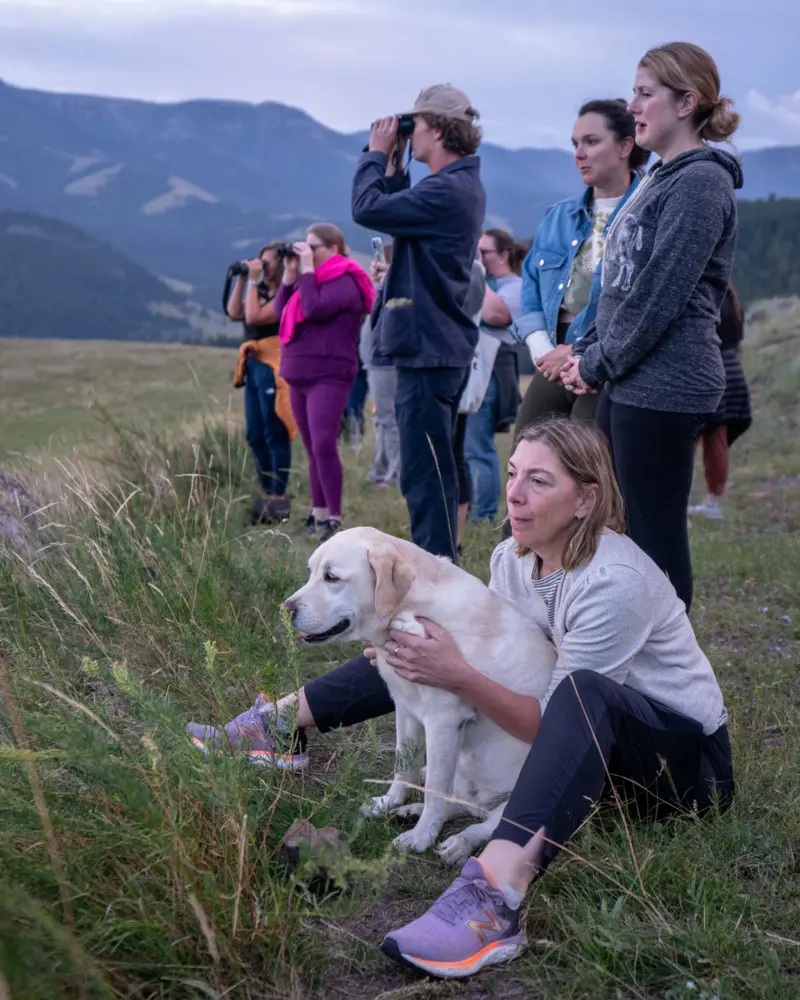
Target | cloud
(527,67)
(784,110)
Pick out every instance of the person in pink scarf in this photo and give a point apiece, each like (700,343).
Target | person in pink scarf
(320,304)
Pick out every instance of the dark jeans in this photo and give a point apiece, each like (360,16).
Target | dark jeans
(265,431)
(426,406)
(565,771)
(356,400)
(653,454)
(482,457)
(462,466)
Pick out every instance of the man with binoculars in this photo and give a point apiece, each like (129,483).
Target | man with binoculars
(423,329)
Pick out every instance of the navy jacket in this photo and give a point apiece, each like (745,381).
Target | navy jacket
(435,226)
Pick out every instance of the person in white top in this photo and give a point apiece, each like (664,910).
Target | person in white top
(561,274)
(502,257)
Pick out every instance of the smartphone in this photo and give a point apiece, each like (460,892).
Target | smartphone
(377,250)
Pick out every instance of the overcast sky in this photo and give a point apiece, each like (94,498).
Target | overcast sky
(526,64)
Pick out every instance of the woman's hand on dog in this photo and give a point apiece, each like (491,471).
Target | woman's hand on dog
(433,660)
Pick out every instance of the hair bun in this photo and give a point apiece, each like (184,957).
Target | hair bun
(722,121)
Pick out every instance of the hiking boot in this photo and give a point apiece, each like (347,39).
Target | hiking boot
(256,735)
(267,510)
(311,525)
(279,508)
(469,927)
(331,526)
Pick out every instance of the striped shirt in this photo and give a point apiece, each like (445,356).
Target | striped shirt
(547,589)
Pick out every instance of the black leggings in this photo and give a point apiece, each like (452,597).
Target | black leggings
(565,772)
(653,453)
(544,398)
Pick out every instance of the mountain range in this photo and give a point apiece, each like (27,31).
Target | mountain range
(57,280)
(183,189)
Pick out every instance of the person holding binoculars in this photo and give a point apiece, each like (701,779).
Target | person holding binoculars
(425,330)
(269,425)
(320,305)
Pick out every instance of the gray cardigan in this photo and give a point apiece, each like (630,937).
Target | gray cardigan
(666,267)
(619,615)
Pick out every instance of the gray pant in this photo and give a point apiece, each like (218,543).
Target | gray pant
(382,384)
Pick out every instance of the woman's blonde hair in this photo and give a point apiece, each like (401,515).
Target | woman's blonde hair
(688,69)
(331,236)
(584,453)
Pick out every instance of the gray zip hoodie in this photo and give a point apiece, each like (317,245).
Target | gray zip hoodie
(666,267)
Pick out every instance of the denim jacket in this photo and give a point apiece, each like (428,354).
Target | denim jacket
(545,272)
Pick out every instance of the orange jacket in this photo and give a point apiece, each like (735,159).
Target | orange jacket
(268,351)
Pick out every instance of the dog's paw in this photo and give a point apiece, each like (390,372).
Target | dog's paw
(379,806)
(455,850)
(412,811)
(408,623)
(412,840)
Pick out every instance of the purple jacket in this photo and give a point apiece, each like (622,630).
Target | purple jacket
(325,345)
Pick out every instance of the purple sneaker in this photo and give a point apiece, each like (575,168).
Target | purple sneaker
(469,927)
(255,735)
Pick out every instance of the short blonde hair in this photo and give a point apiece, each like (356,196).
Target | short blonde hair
(584,453)
(688,69)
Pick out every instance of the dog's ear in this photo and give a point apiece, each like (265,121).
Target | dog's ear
(393,578)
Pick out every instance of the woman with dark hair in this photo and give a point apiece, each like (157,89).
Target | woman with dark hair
(502,258)
(561,275)
(269,423)
(321,303)
(654,346)
(733,415)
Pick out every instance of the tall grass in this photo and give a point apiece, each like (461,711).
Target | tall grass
(131,866)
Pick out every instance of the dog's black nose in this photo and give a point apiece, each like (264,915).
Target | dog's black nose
(290,606)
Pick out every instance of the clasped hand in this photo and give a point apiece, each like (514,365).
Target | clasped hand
(571,377)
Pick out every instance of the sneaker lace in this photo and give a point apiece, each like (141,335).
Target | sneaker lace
(251,724)
(452,905)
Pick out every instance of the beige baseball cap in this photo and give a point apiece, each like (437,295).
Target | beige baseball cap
(445,100)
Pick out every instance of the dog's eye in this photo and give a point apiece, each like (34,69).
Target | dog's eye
(329,577)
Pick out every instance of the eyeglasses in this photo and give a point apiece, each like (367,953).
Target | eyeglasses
(484,252)
(316,246)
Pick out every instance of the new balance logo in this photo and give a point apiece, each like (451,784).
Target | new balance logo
(479,926)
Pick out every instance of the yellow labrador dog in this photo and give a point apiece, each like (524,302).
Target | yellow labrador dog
(364,583)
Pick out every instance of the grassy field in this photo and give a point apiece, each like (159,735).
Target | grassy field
(58,394)
(130,866)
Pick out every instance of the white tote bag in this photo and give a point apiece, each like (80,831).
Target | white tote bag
(480,373)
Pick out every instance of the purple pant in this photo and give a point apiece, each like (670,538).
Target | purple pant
(318,409)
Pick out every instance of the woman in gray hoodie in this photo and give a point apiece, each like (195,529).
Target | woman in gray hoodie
(667,264)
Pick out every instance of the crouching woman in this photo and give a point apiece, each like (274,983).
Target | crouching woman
(632,696)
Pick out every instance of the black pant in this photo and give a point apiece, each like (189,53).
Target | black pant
(462,465)
(426,406)
(653,454)
(565,773)
(544,398)
(660,762)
